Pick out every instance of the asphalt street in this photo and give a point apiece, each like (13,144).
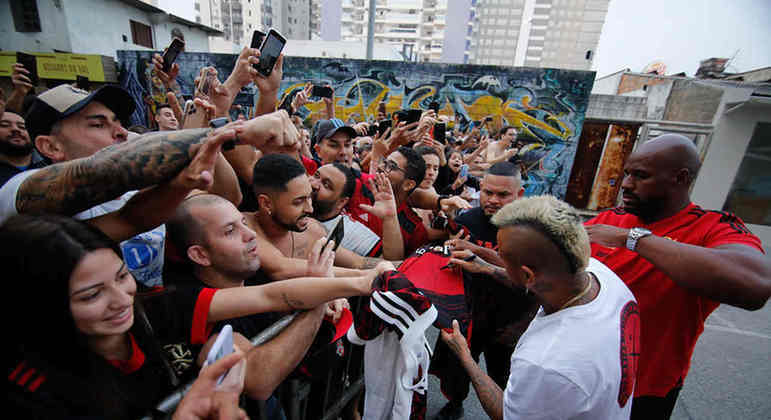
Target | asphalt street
(730,375)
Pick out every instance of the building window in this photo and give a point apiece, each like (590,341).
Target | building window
(25,15)
(141,34)
(750,194)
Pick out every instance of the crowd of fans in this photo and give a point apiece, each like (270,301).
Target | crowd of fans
(134,248)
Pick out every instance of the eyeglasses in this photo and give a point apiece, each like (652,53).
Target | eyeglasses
(388,165)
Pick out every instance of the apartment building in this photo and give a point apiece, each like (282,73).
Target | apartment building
(535,33)
(415,27)
(290,17)
(236,18)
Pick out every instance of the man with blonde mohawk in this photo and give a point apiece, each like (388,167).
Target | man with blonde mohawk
(578,357)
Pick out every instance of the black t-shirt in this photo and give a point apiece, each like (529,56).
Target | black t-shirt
(493,305)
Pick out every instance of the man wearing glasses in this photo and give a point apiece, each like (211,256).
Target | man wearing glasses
(405,169)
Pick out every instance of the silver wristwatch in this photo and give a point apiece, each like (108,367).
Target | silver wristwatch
(635,234)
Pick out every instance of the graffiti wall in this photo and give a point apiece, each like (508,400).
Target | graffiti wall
(546,105)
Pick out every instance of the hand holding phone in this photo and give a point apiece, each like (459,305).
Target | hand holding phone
(171,53)
(463,171)
(440,133)
(222,347)
(322,91)
(270,50)
(29,62)
(337,234)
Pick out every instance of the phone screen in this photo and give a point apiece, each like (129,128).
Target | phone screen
(29,62)
(463,171)
(257,38)
(321,91)
(171,53)
(270,51)
(337,235)
(435,106)
(82,82)
(383,126)
(440,132)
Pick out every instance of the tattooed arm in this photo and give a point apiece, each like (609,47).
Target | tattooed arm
(489,393)
(71,187)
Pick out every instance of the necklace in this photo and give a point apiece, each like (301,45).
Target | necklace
(291,236)
(580,295)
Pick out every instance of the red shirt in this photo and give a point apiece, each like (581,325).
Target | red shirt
(672,318)
(414,234)
(310,165)
(362,195)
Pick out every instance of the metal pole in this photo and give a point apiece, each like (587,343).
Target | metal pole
(371,29)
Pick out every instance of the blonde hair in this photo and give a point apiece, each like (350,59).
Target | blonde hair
(555,219)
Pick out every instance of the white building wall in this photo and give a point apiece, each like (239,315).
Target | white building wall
(54,33)
(98,27)
(331,17)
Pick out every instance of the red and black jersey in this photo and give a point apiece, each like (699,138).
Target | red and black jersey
(414,233)
(671,317)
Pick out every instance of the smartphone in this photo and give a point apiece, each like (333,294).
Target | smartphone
(257,38)
(409,115)
(435,106)
(82,82)
(440,133)
(372,130)
(29,62)
(222,347)
(321,91)
(171,53)
(488,119)
(382,126)
(270,51)
(337,235)
(463,171)
(206,82)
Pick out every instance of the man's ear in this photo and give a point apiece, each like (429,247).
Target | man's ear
(408,185)
(683,176)
(529,277)
(198,255)
(265,203)
(50,147)
(341,203)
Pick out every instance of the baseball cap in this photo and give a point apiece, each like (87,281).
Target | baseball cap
(64,100)
(327,128)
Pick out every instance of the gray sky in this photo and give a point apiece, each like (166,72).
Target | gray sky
(682,32)
(678,32)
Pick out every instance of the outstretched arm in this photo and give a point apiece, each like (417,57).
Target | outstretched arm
(71,187)
(489,393)
(734,274)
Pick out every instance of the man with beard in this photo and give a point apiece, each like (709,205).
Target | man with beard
(284,226)
(332,186)
(680,261)
(499,314)
(16,151)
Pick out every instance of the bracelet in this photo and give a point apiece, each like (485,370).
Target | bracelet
(438,206)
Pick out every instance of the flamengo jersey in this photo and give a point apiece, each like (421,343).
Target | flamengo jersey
(583,358)
(672,317)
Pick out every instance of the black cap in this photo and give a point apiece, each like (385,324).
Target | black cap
(327,128)
(62,101)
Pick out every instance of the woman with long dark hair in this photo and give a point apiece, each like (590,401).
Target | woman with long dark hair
(77,350)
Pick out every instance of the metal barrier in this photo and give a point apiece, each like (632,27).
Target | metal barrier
(298,391)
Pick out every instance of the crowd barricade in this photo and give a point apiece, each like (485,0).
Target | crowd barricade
(323,397)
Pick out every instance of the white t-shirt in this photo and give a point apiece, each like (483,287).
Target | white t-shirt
(143,253)
(357,237)
(580,362)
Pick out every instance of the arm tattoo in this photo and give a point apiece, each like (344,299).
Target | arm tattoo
(77,185)
(489,393)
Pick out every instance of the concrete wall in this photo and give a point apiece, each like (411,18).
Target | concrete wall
(92,27)
(54,33)
(612,107)
(726,151)
(607,85)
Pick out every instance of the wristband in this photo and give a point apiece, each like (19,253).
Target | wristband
(439,199)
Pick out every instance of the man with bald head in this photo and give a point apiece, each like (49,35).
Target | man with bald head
(679,260)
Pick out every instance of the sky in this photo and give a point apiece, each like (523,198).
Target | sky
(679,33)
